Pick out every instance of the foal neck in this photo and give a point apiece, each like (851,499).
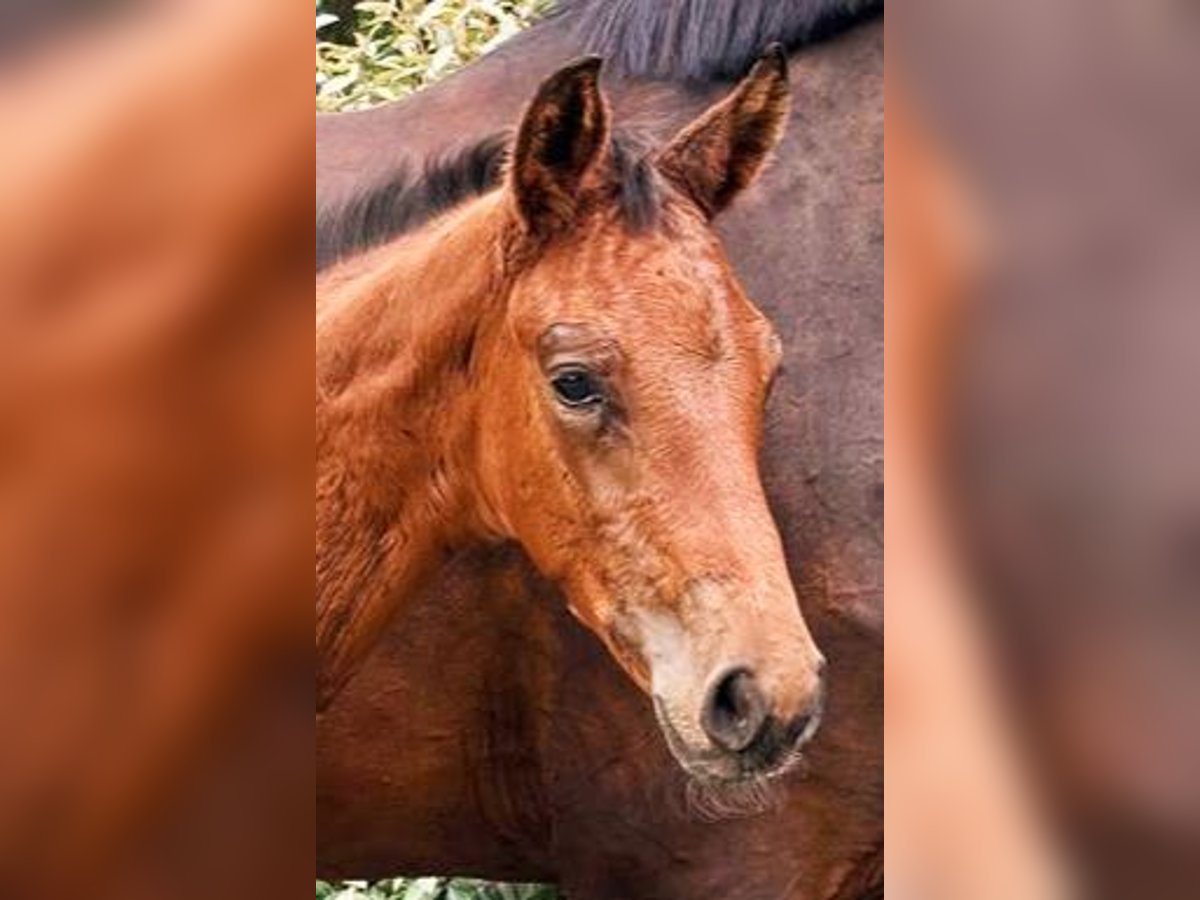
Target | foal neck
(395,425)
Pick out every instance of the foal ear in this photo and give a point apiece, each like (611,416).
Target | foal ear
(722,151)
(562,137)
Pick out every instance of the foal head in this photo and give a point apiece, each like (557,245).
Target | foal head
(621,401)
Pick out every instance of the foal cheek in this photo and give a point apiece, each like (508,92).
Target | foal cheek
(545,507)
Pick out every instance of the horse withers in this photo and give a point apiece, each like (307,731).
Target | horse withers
(568,362)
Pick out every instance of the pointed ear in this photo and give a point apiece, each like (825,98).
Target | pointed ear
(722,151)
(562,139)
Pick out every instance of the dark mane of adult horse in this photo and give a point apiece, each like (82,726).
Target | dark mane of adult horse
(489,734)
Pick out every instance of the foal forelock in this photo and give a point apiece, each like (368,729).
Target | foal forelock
(410,198)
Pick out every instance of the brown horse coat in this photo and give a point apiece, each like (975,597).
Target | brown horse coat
(400,787)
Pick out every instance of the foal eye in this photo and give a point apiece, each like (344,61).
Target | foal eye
(576,387)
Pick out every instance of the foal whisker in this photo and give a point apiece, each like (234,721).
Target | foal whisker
(720,801)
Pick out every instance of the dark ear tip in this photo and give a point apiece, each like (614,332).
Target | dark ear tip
(572,77)
(774,57)
(586,65)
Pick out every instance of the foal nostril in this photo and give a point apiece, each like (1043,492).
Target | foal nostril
(734,711)
(801,729)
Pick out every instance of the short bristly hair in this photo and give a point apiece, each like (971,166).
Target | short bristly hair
(406,200)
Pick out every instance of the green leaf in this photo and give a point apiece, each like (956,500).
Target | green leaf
(422,889)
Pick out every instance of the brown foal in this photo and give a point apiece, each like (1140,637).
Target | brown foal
(568,363)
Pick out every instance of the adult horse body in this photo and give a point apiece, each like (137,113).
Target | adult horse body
(531,757)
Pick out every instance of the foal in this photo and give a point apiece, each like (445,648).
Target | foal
(568,362)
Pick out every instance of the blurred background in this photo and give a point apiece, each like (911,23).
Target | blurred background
(1043,444)
(156,435)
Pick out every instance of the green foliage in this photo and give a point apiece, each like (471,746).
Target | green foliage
(432,889)
(393,47)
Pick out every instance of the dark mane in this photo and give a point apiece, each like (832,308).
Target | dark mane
(702,39)
(409,199)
